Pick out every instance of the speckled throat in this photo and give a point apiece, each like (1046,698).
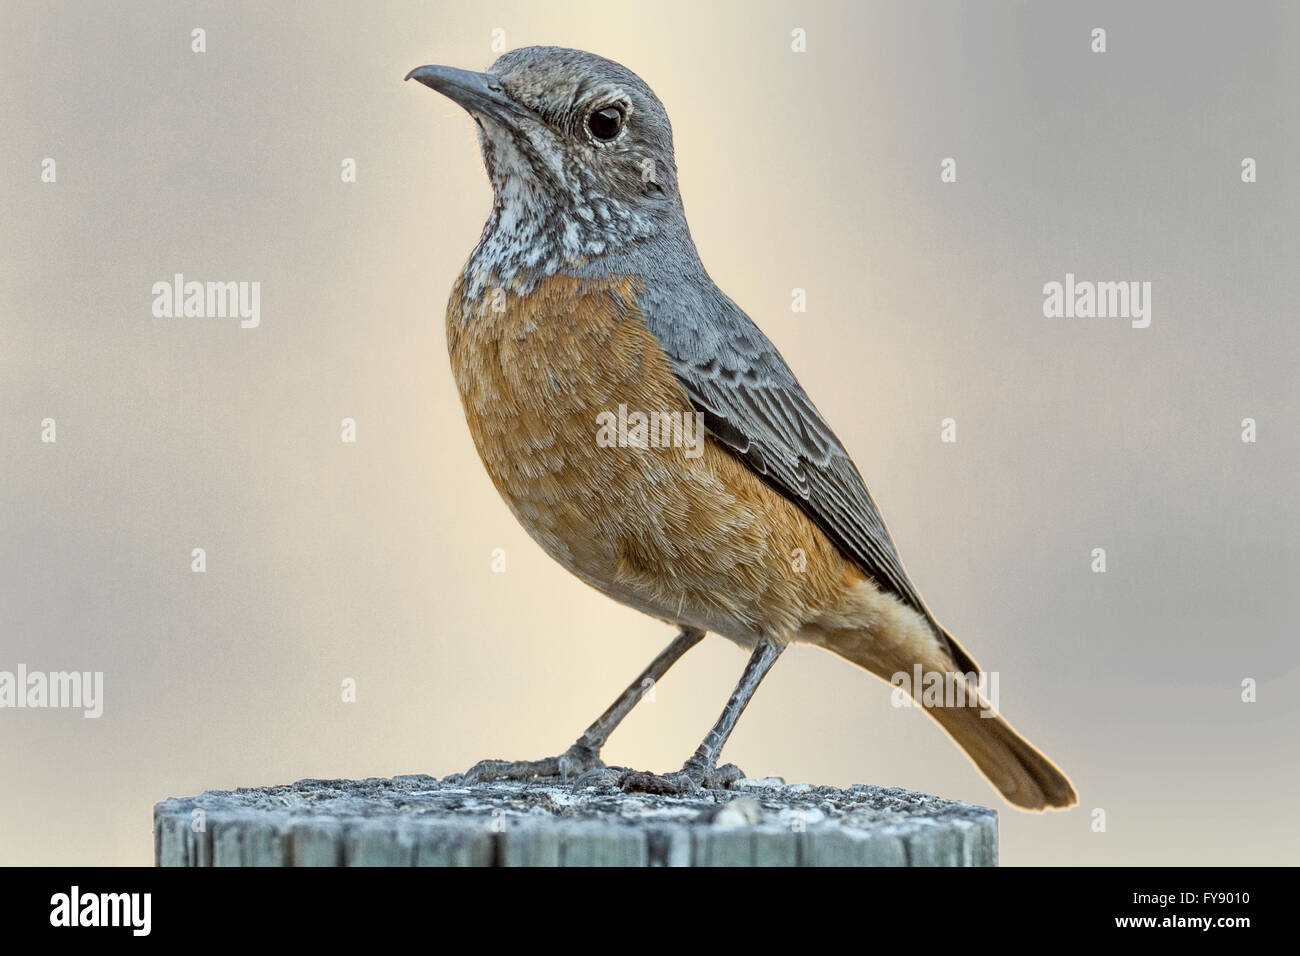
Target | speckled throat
(550,215)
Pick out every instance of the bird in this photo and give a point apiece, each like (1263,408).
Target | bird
(584,311)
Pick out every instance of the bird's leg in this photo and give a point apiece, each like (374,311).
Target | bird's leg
(585,753)
(702,769)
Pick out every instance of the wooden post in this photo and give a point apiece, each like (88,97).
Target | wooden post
(422,821)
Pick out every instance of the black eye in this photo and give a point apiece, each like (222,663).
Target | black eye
(605,124)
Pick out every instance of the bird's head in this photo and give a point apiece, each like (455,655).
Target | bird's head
(572,140)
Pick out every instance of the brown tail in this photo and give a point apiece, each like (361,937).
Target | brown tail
(1023,776)
(1020,772)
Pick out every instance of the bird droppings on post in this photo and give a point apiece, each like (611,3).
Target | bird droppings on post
(417,820)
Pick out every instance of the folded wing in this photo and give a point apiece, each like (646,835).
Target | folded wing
(753,405)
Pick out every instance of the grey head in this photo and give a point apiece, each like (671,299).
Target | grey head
(579,151)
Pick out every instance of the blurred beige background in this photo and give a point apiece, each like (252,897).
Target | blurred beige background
(820,170)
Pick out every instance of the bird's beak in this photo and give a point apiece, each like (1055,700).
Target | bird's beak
(478,93)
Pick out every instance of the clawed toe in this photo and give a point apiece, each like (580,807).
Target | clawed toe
(599,777)
(573,762)
(485,771)
(579,759)
(687,780)
(639,781)
(721,778)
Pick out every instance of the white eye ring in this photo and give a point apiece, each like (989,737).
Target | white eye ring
(604,125)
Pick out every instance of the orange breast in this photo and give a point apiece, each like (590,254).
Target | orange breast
(687,534)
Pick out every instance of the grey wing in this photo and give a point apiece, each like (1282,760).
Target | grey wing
(755,407)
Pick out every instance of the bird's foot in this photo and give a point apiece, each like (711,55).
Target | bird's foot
(577,760)
(690,778)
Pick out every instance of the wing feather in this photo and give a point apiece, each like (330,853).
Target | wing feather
(754,406)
